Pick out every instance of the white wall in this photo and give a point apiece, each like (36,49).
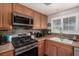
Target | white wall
(64,13)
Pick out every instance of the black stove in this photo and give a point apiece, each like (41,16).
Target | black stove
(23,43)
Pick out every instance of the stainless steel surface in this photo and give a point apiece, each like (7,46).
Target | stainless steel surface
(22,15)
(22,24)
(23,43)
(25,48)
(76,51)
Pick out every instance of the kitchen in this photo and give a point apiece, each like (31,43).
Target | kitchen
(29,29)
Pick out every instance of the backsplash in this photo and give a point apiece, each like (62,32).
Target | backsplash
(15,31)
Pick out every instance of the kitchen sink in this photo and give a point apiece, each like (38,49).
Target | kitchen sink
(62,40)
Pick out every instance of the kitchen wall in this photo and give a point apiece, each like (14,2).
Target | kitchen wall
(21,30)
(71,11)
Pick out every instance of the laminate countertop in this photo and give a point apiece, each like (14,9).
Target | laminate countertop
(6,47)
(74,44)
(9,46)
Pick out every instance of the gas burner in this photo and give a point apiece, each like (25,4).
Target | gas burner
(21,35)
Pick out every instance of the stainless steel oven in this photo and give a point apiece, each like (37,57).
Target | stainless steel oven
(24,43)
(27,50)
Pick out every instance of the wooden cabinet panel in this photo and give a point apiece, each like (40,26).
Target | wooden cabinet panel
(37,17)
(51,50)
(8,53)
(0,15)
(41,48)
(22,9)
(65,51)
(7,21)
(28,12)
(5,16)
(58,49)
(18,8)
(43,22)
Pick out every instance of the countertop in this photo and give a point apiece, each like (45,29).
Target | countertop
(9,46)
(74,44)
(6,47)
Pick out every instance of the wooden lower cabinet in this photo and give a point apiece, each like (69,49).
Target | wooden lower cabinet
(50,50)
(8,53)
(65,52)
(41,48)
(58,49)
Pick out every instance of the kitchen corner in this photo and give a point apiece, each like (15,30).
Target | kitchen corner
(33,31)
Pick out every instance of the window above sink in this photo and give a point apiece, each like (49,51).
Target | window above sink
(69,24)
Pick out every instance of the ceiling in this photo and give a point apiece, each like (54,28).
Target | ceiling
(50,8)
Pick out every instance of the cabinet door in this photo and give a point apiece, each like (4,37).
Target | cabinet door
(22,9)
(37,18)
(51,50)
(7,10)
(18,8)
(43,22)
(0,15)
(28,12)
(41,48)
(65,51)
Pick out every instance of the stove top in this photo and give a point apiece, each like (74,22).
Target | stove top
(22,41)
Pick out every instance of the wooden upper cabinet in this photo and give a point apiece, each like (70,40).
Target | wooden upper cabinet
(28,12)
(18,8)
(5,16)
(22,9)
(0,15)
(43,22)
(37,18)
(7,19)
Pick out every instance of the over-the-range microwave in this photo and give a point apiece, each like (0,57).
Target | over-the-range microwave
(21,20)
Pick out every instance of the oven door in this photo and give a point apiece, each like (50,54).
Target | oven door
(32,52)
(23,50)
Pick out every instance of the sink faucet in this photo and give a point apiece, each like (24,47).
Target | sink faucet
(61,34)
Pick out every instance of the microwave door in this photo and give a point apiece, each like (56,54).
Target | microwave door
(20,20)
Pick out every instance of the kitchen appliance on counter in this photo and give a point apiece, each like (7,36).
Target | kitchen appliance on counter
(2,40)
(23,43)
(38,34)
(46,32)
